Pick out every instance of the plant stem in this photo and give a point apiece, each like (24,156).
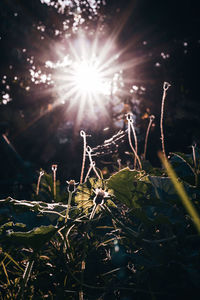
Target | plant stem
(166,85)
(195,164)
(194,156)
(88,173)
(136,143)
(68,205)
(38,183)
(92,163)
(93,212)
(27,271)
(131,145)
(151,118)
(25,278)
(54,169)
(83,135)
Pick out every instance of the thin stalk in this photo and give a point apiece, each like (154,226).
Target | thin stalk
(129,118)
(166,85)
(194,156)
(68,205)
(38,183)
(195,164)
(92,163)
(71,188)
(119,164)
(54,169)
(5,271)
(93,212)
(27,272)
(25,278)
(83,135)
(131,145)
(136,143)
(88,172)
(151,118)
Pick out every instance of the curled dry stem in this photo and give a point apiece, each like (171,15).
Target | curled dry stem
(38,183)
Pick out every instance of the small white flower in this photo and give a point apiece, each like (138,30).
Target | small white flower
(100,196)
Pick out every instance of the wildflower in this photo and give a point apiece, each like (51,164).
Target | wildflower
(92,195)
(100,196)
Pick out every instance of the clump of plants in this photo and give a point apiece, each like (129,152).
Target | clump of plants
(133,235)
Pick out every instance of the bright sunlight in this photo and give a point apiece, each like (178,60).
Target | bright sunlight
(89,79)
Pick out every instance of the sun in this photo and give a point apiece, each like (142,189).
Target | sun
(89,80)
(84,76)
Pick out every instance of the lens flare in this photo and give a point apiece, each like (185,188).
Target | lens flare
(85,78)
(89,79)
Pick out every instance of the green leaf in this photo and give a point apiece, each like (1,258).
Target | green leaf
(29,223)
(163,187)
(31,212)
(34,238)
(186,158)
(129,186)
(183,166)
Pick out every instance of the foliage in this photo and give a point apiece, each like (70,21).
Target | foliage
(47,190)
(141,242)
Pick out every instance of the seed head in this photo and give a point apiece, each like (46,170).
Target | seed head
(71,185)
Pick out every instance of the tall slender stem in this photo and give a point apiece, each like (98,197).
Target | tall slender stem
(68,205)
(83,135)
(54,169)
(129,118)
(131,145)
(151,118)
(38,183)
(136,143)
(166,85)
